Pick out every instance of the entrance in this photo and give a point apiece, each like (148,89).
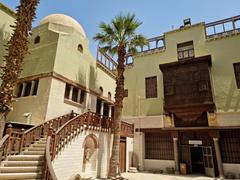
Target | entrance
(122,156)
(197,160)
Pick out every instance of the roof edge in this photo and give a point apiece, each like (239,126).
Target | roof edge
(7,10)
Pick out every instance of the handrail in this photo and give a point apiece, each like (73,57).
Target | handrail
(3,145)
(68,131)
(50,174)
(18,141)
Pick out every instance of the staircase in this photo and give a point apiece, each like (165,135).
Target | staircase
(27,165)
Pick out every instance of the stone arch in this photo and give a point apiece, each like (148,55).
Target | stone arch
(90,153)
(109,95)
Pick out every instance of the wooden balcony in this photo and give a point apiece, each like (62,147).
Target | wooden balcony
(127,130)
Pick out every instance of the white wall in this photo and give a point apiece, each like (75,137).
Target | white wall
(129,153)
(153,165)
(69,162)
(231,168)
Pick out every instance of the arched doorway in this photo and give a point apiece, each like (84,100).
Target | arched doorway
(90,154)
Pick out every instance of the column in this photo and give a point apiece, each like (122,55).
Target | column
(102,106)
(23,89)
(32,87)
(79,96)
(176,159)
(110,111)
(219,158)
(71,92)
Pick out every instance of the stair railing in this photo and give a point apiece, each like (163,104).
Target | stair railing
(15,142)
(65,134)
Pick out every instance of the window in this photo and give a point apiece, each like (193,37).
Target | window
(158,146)
(80,48)
(27,88)
(126,93)
(37,40)
(109,96)
(237,73)
(101,91)
(74,94)
(185,50)
(151,87)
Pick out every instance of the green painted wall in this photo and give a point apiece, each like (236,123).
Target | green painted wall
(7,19)
(224,53)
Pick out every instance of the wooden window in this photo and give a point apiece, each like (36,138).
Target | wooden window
(151,87)
(185,50)
(237,73)
(230,143)
(159,146)
(37,40)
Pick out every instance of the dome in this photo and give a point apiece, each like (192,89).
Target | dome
(63,19)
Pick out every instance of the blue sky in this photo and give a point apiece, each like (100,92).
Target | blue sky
(158,16)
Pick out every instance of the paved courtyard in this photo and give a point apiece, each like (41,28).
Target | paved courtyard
(149,176)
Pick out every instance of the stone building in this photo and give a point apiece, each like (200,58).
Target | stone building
(183,98)
(60,75)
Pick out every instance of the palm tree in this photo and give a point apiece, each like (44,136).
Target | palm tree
(17,48)
(119,38)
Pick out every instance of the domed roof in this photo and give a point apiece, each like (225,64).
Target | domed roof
(63,19)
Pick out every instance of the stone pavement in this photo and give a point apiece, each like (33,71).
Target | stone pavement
(150,176)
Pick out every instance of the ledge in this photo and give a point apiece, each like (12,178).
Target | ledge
(70,102)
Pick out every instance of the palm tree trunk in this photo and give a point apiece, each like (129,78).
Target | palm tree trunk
(17,48)
(119,95)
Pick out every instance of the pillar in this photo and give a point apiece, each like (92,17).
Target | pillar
(79,96)
(32,87)
(110,111)
(176,159)
(71,92)
(23,89)
(219,158)
(102,106)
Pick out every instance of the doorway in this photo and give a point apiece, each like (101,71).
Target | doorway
(122,156)
(197,160)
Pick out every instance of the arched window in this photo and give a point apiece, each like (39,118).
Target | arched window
(101,90)
(80,48)
(37,40)
(109,96)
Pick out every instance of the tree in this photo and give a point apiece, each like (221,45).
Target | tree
(119,38)
(17,48)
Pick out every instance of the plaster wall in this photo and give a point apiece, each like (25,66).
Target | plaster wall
(224,53)
(129,153)
(70,161)
(156,165)
(37,105)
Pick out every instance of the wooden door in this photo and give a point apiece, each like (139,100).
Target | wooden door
(122,155)
(186,157)
(208,161)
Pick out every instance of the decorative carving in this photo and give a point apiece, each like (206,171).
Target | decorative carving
(187,90)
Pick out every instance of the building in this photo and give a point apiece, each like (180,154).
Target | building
(61,75)
(183,98)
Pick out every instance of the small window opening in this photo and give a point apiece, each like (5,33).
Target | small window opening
(37,40)
(80,48)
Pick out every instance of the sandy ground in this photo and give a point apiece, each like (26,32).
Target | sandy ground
(149,176)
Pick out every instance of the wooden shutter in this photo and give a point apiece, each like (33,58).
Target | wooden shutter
(151,87)
(237,73)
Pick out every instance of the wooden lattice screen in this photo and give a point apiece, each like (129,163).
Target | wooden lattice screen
(230,146)
(159,146)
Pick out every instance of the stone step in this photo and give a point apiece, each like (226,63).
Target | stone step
(132,170)
(25,158)
(36,149)
(39,145)
(41,142)
(33,152)
(22,163)
(24,169)
(20,176)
